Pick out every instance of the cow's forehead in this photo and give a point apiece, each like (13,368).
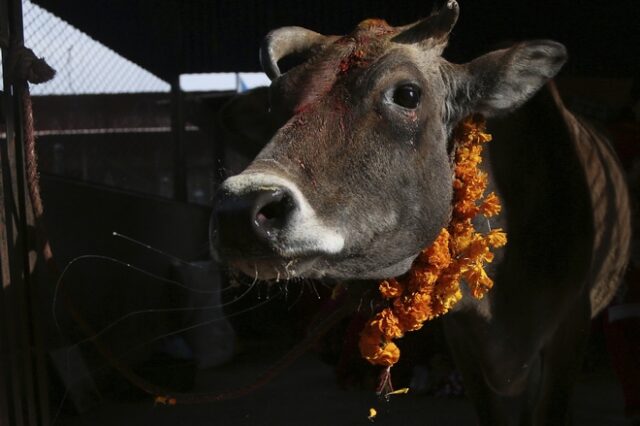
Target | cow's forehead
(371,41)
(368,41)
(376,27)
(357,50)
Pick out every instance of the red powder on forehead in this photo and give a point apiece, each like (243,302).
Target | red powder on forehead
(357,46)
(322,72)
(355,59)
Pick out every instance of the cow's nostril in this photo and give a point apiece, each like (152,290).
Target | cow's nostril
(272,210)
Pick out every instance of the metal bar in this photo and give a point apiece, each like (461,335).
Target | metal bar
(28,379)
(15,371)
(179,150)
(34,352)
(6,408)
(22,247)
(34,363)
(5,374)
(5,386)
(16,37)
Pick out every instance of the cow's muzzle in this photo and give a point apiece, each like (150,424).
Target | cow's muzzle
(248,223)
(260,216)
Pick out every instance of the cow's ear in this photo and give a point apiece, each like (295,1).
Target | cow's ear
(502,80)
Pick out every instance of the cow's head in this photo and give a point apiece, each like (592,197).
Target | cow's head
(358,178)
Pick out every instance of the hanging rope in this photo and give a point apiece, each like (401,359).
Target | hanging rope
(24,68)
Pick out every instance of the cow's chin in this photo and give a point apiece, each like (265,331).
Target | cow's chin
(274,269)
(356,269)
(279,269)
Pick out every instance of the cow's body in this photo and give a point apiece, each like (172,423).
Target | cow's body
(567,216)
(357,179)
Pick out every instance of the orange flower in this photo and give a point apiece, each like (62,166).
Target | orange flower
(389,354)
(497,238)
(438,253)
(377,351)
(442,303)
(478,249)
(466,209)
(391,288)
(421,279)
(387,323)
(371,341)
(491,205)
(432,286)
(412,311)
(463,235)
(478,280)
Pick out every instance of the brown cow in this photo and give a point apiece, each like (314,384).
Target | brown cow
(357,179)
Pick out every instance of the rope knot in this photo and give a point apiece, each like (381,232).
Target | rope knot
(26,66)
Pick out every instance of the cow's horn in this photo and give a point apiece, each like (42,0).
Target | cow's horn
(434,29)
(283,42)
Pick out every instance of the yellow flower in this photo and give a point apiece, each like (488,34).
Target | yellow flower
(372,414)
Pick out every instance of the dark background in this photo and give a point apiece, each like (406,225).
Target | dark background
(175,36)
(98,181)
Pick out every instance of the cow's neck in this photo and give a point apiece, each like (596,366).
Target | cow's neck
(432,286)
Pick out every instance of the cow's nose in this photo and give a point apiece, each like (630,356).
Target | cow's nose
(270,211)
(253,217)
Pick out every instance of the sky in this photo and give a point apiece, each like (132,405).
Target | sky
(85,66)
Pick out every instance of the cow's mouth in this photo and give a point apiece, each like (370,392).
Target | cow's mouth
(273,269)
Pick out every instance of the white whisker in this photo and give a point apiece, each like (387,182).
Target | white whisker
(118,262)
(313,286)
(155,250)
(255,278)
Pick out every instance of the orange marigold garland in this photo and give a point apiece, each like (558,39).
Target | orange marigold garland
(432,285)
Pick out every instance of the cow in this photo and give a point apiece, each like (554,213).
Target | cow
(356,179)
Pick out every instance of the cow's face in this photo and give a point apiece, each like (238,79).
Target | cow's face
(358,178)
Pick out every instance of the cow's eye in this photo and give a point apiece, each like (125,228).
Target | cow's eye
(407,96)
